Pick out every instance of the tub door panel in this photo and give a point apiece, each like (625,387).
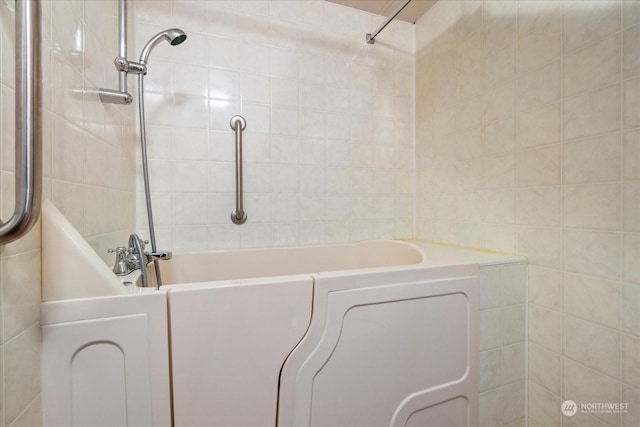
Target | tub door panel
(228,344)
(105,362)
(395,354)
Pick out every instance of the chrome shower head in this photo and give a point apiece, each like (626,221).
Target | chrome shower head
(174,36)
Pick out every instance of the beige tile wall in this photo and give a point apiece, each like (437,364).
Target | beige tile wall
(503,294)
(328,149)
(527,141)
(528,136)
(330,127)
(88,168)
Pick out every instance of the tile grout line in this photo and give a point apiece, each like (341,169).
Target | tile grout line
(562,193)
(621,208)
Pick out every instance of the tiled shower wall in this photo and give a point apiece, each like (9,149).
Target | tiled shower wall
(328,149)
(88,165)
(503,295)
(528,141)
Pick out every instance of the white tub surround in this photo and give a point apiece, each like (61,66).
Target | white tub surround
(318,335)
(344,335)
(105,357)
(70,267)
(191,267)
(105,361)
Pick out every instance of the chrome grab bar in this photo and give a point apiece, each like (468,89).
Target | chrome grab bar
(28,143)
(238,215)
(371,38)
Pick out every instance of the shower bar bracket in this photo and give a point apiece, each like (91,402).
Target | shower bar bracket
(121,95)
(28,142)
(371,38)
(238,215)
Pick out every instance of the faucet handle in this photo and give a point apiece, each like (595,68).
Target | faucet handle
(120,266)
(118,251)
(143,243)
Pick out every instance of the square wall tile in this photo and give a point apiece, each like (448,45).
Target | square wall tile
(21,293)
(592,67)
(539,16)
(586,22)
(632,396)
(540,126)
(591,298)
(631,206)
(631,155)
(537,49)
(539,206)
(630,256)
(582,384)
(539,87)
(545,287)
(592,160)
(545,368)
(513,324)
(592,206)
(631,52)
(594,113)
(631,309)
(541,245)
(631,360)
(592,252)
(545,328)
(592,346)
(543,406)
(631,106)
(21,372)
(514,363)
(539,166)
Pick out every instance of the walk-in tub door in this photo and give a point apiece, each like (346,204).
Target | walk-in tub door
(403,353)
(228,343)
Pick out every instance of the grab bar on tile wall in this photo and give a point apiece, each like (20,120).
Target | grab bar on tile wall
(371,38)
(238,215)
(28,142)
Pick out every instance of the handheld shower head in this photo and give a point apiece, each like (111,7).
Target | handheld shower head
(174,36)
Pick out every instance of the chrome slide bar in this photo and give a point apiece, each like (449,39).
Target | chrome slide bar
(371,38)
(28,142)
(121,95)
(238,215)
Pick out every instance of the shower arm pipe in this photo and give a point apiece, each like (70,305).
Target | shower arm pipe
(371,38)
(122,95)
(28,142)
(238,215)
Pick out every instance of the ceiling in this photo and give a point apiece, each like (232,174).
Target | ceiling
(411,13)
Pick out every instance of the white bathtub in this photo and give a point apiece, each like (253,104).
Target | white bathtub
(368,334)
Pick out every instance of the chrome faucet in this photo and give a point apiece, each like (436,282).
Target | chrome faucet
(137,258)
(134,257)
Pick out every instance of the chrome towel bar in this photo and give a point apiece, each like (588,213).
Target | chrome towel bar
(238,215)
(28,142)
